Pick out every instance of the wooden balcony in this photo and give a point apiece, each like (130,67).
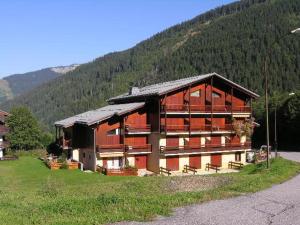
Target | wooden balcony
(136,149)
(175,128)
(179,108)
(202,149)
(110,148)
(196,128)
(137,128)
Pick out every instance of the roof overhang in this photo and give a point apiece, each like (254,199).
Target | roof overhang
(65,124)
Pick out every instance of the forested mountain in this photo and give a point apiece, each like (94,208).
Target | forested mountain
(230,40)
(17,84)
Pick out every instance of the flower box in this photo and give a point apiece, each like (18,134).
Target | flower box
(54,165)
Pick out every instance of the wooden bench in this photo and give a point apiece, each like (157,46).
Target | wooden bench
(187,168)
(236,165)
(211,166)
(163,170)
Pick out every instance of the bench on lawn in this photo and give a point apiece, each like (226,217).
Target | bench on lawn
(163,170)
(212,166)
(236,165)
(187,168)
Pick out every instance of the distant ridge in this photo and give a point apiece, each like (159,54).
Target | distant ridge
(18,84)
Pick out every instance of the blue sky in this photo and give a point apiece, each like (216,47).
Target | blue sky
(35,34)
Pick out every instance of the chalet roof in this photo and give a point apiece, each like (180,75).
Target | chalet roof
(165,87)
(98,115)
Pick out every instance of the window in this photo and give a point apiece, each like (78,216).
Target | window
(113,132)
(216,95)
(196,93)
(83,155)
(238,156)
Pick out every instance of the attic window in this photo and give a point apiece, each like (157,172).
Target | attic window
(196,93)
(113,132)
(216,95)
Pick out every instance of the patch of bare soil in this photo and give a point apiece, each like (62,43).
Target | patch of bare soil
(195,183)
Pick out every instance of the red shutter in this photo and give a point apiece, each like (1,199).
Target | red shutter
(195,161)
(172,141)
(173,163)
(216,140)
(216,159)
(195,141)
(141,161)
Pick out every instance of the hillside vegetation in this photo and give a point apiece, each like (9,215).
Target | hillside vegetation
(231,40)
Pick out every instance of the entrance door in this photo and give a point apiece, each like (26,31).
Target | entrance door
(216,159)
(141,161)
(114,163)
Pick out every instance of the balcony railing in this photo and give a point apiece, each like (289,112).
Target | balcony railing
(137,128)
(196,128)
(175,128)
(206,148)
(138,148)
(203,108)
(110,148)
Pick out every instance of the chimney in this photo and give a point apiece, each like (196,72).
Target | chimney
(134,90)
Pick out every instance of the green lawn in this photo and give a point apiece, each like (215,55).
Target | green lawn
(32,194)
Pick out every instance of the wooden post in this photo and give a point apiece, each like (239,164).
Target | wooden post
(165,113)
(189,110)
(211,102)
(205,86)
(123,137)
(251,107)
(56,134)
(231,101)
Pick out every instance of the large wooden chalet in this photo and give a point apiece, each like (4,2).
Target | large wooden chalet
(169,125)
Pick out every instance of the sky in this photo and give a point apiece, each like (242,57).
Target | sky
(36,34)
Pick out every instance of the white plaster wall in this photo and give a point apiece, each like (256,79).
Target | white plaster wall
(181,141)
(243,157)
(163,162)
(131,161)
(226,158)
(99,162)
(243,139)
(202,141)
(183,160)
(204,160)
(162,141)
(75,154)
(222,140)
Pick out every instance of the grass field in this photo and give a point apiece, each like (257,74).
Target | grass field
(32,194)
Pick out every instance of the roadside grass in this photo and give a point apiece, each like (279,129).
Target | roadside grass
(32,194)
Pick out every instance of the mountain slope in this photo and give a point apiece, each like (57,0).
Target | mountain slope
(18,84)
(231,40)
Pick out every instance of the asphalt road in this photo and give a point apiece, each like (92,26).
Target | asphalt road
(279,205)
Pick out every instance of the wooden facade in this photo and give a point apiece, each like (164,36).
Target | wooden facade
(189,121)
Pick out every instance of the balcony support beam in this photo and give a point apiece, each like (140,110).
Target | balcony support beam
(165,113)
(189,110)
(211,102)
